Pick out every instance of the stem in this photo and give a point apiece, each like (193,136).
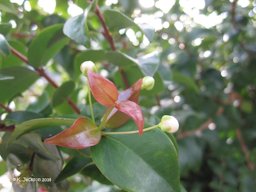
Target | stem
(129,132)
(110,41)
(41,72)
(90,103)
(106,32)
(105,116)
(6,128)
(6,108)
(245,150)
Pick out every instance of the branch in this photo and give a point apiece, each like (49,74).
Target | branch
(6,128)
(110,41)
(245,150)
(6,108)
(233,13)
(41,72)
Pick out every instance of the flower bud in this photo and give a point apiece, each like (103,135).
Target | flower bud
(148,83)
(87,66)
(169,124)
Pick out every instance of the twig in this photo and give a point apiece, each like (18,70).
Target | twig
(245,150)
(6,128)
(41,72)
(233,13)
(6,108)
(110,41)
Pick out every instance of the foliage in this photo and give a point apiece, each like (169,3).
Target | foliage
(58,124)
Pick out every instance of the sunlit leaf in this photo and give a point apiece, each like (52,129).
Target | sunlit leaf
(83,133)
(4,47)
(133,110)
(103,90)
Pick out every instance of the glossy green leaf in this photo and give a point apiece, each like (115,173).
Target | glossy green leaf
(116,20)
(149,64)
(4,47)
(76,29)
(135,164)
(22,79)
(82,134)
(63,92)
(46,45)
(75,165)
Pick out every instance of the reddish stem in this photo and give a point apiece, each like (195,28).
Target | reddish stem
(6,108)
(106,32)
(110,41)
(41,72)
(6,128)
(246,152)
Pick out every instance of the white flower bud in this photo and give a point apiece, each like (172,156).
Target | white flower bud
(86,66)
(148,83)
(169,124)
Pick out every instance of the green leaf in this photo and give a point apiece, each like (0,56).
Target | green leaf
(74,166)
(21,116)
(33,124)
(116,20)
(11,60)
(22,79)
(127,63)
(5,28)
(139,163)
(47,168)
(76,27)
(63,92)
(93,172)
(4,47)
(34,142)
(185,80)
(8,8)
(149,63)
(46,45)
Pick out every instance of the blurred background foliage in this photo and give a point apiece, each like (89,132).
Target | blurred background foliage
(202,54)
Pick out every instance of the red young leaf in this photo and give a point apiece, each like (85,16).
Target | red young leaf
(133,110)
(103,90)
(83,133)
(117,118)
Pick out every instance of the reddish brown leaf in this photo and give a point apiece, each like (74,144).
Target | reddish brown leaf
(83,133)
(117,118)
(103,90)
(133,110)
